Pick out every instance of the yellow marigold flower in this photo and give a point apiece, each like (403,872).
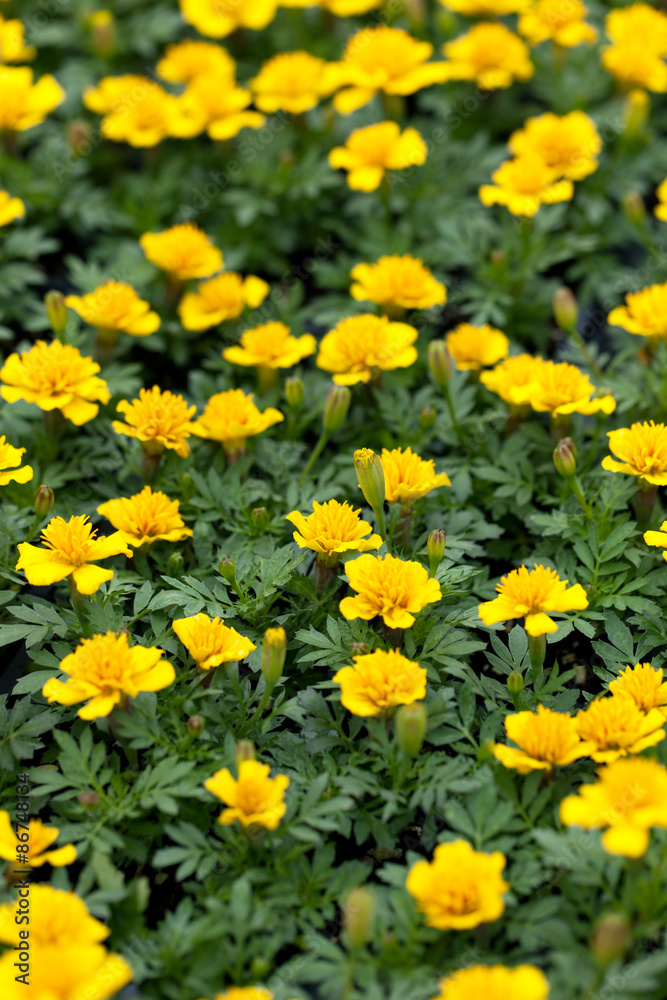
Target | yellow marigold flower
(369,152)
(361,347)
(10,208)
(10,457)
(486,8)
(644,312)
(146,517)
(544,739)
(246,992)
(523,184)
(642,450)
(460,888)
(635,65)
(67,959)
(563,23)
(55,377)
(643,684)
(221,298)
(272,346)
(379,681)
(112,93)
(560,388)
(474,347)
(71,549)
(220,106)
(184,61)
(158,419)
(383,59)
(408,476)
(660,210)
(253,798)
(231,417)
(511,378)
(567,143)
(393,588)
(210,642)
(534,595)
(115,306)
(140,112)
(12,42)
(617,727)
(397,281)
(490,54)
(628,799)
(184,251)
(657,538)
(40,838)
(293,82)
(641,23)
(332,528)
(343,8)
(495,982)
(24,103)
(218,18)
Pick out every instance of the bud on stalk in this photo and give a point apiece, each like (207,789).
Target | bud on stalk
(636,111)
(195,725)
(358,916)
(245,750)
(435,547)
(410,724)
(633,207)
(294,392)
(565,457)
(260,518)
(370,475)
(439,362)
(335,408)
(273,655)
(44,500)
(565,308)
(56,311)
(427,418)
(611,937)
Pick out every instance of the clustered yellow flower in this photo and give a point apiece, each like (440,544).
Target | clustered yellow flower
(140,112)
(370,152)
(40,839)
(495,982)
(380,681)
(253,799)
(617,726)
(644,685)
(158,419)
(183,61)
(24,103)
(641,450)
(460,888)
(475,347)
(512,379)
(115,306)
(563,23)
(184,251)
(217,20)
(145,518)
(293,82)
(10,208)
(544,739)
(221,298)
(401,282)
(486,8)
(392,588)
(408,476)
(490,54)
(557,388)
(655,538)
(361,347)
(105,671)
(523,184)
(210,642)
(660,210)
(270,345)
(636,56)
(644,312)
(232,417)
(332,529)
(534,595)
(11,469)
(12,42)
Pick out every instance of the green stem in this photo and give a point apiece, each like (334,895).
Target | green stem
(537,649)
(579,494)
(576,337)
(79,605)
(379,517)
(450,406)
(316,452)
(268,691)
(33,528)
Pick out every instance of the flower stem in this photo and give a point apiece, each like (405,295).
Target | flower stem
(79,605)
(579,494)
(537,650)
(316,452)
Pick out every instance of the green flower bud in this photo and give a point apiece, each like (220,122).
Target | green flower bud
(439,362)
(360,649)
(56,310)
(427,418)
(294,391)
(410,723)
(633,207)
(260,518)
(79,135)
(44,500)
(358,916)
(195,725)
(335,408)
(175,564)
(274,649)
(565,457)
(371,477)
(515,682)
(435,546)
(245,750)
(636,111)
(259,968)
(89,800)
(227,569)
(565,308)
(611,937)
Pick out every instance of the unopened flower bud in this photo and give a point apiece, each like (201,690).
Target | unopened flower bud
(260,968)
(359,916)
(79,135)
(360,649)
(104,31)
(260,517)
(565,308)
(439,362)
(515,682)
(294,391)
(227,569)
(273,654)
(498,256)
(371,476)
(175,564)
(44,500)
(565,457)
(427,418)
(336,407)
(56,310)
(89,800)
(410,726)
(636,111)
(245,750)
(611,937)
(435,547)
(633,207)
(195,725)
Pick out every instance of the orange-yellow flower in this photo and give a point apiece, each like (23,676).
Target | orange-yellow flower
(341,8)
(55,377)
(379,681)
(10,208)
(544,739)
(486,8)
(644,312)
(569,144)
(292,82)
(523,184)
(408,476)
(210,642)
(512,378)
(246,992)
(635,65)
(369,152)
(40,839)
(460,888)
(218,18)
(495,982)
(220,106)
(617,727)
(560,389)
(490,54)
(333,528)
(231,417)
(24,103)
(563,23)
(475,347)
(641,450)
(115,306)
(158,419)
(221,298)
(393,588)
(644,685)
(11,469)
(657,538)
(399,282)
(534,595)
(252,799)
(184,251)
(12,42)
(185,60)
(361,347)
(660,210)
(272,346)
(140,112)
(145,518)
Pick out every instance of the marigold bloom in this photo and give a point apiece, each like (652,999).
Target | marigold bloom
(293,82)
(24,103)
(379,681)
(641,449)
(570,144)
(490,54)
(383,59)
(512,378)
(12,42)
(253,798)
(341,8)
(218,18)
(158,419)
(617,727)
(644,685)
(40,839)
(115,306)
(220,106)
(221,298)
(333,528)
(534,595)
(629,797)
(397,281)
(246,992)
(638,22)
(71,549)
(460,888)
(394,588)
(67,959)
(184,251)
(495,982)
(524,184)
(146,517)
(544,739)
(104,671)
(563,23)
(408,476)
(635,65)
(560,389)
(140,112)
(210,642)
(231,417)
(474,347)
(184,61)
(369,152)
(657,538)
(361,347)
(486,8)
(11,469)
(272,346)
(644,312)
(55,377)
(10,208)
